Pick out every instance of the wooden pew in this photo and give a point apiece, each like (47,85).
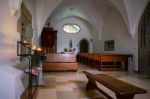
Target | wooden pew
(96,60)
(113,61)
(105,61)
(90,61)
(83,58)
(121,89)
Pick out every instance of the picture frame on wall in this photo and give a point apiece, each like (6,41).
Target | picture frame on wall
(109,45)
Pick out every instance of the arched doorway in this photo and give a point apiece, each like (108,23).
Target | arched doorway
(84,46)
(144,42)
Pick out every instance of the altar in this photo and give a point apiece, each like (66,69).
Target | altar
(60,62)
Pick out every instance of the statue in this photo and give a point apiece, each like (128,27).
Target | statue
(70,45)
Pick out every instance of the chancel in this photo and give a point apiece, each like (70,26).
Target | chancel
(75,49)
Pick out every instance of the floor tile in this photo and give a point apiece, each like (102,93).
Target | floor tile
(66,95)
(47,92)
(46,97)
(71,85)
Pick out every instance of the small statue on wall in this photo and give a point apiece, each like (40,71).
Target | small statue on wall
(70,45)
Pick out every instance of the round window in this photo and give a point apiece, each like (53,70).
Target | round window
(71,28)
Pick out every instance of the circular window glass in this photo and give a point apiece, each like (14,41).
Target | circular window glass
(71,28)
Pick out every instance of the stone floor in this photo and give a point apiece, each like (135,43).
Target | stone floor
(71,85)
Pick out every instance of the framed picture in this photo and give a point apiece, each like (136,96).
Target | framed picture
(109,45)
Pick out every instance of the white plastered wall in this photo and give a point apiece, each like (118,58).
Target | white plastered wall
(8,31)
(31,7)
(115,29)
(63,38)
(8,34)
(10,76)
(44,9)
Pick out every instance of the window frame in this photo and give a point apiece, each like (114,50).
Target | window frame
(71,32)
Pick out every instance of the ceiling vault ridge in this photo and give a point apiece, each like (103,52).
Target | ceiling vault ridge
(130,14)
(134,15)
(14,6)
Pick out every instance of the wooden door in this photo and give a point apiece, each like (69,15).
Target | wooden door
(84,46)
(144,42)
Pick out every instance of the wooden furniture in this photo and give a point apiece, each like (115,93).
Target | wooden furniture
(144,42)
(105,61)
(113,61)
(60,62)
(122,89)
(49,39)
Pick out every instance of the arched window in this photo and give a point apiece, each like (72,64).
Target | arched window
(71,28)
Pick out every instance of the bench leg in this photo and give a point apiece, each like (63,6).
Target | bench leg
(124,96)
(99,66)
(91,85)
(126,65)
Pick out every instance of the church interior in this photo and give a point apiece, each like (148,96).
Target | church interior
(75,49)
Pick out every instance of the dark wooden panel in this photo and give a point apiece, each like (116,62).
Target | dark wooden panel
(113,58)
(58,57)
(144,42)
(49,39)
(60,66)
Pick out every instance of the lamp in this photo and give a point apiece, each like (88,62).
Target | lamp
(33,47)
(24,41)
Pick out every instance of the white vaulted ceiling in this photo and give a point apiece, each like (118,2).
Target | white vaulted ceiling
(94,12)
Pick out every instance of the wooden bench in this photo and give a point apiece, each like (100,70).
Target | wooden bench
(111,61)
(121,89)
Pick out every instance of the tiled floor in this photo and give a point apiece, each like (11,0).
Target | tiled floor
(71,85)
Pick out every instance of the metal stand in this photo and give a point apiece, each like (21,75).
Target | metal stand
(34,59)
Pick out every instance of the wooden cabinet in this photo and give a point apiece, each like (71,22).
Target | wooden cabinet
(49,39)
